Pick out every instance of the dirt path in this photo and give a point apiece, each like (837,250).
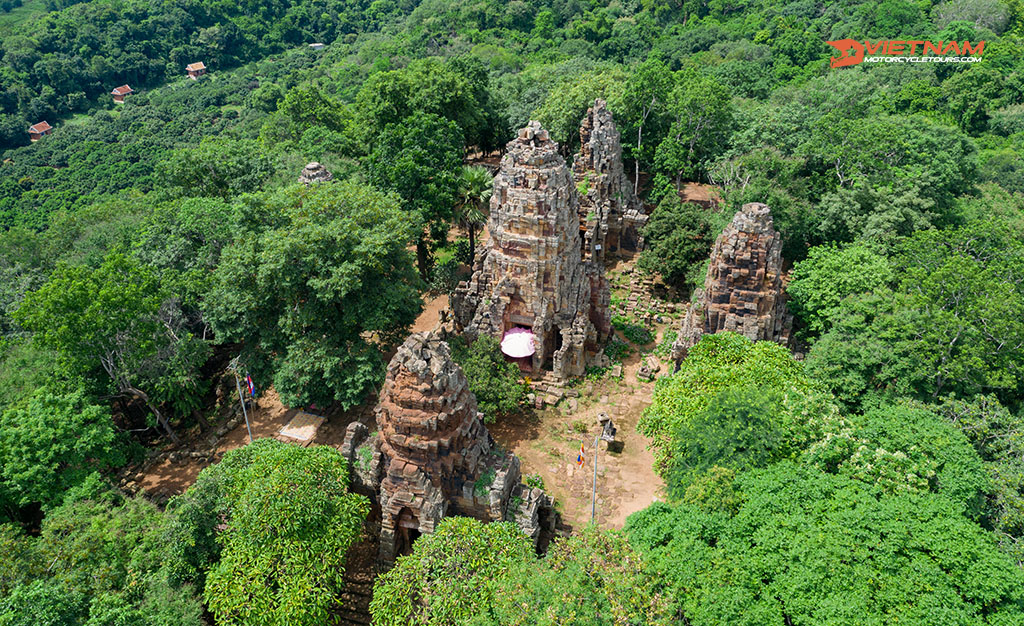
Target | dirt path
(174,477)
(430,316)
(548,442)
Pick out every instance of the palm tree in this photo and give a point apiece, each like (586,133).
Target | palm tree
(474,194)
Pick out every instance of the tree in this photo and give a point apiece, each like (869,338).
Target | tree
(701,112)
(644,97)
(567,103)
(592,577)
(717,362)
(316,294)
(420,159)
(493,380)
(51,443)
(475,186)
(291,521)
(217,168)
(183,239)
(828,276)
(953,324)
(898,448)
(738,429)
(677,238)
(307,106)
(456,90)
(886,175)
(118,321)
(451,575)
(95,562)
(808,547)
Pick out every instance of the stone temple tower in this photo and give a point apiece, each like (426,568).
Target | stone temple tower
(611,216)
(432,456)
(531,274)
(743,290)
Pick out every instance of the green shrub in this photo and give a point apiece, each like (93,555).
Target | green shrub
(637,333)
(716,363)
(617,350)
(664,348)
(534,480)
(494,381)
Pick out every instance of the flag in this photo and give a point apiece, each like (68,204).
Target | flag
(579,459)
(252,386)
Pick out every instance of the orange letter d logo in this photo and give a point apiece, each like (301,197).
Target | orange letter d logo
(850,52)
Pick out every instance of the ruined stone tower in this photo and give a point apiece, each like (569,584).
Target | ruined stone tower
(531,274)
(743,290)
(314,173)
(611,216)
(432,455)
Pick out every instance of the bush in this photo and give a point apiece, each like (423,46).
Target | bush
(494,381)
(461,247)
(636,333)
(444,277)
(678,236)
(664,348)
(617,350)
(450,576)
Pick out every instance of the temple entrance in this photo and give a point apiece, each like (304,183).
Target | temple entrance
(407,531)
(552,345)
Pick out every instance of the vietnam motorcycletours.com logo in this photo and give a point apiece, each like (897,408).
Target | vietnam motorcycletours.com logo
(853,52)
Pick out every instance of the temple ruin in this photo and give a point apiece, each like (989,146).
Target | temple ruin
(314,173)
(531,275)
(743,291)
(611,216)
(432,456)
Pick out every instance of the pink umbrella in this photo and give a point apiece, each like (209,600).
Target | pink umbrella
(518,342)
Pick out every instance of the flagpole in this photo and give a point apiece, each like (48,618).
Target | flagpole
(593,493)
(241,398)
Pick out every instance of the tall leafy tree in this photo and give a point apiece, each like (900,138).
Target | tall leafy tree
(952,324)
(217,168)
(117,322)
(316,294)
(701,113)
(420,159)
(828,276)
(644,100)
(290,523)
(718,362)
(677,240)
(53,442)
(451,575)
(810,547)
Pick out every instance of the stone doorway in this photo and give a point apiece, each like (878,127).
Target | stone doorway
(408,527)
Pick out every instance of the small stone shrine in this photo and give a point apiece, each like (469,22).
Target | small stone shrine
(314,173)
(743,291)
(611,216)
(433,457)
(530,275)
